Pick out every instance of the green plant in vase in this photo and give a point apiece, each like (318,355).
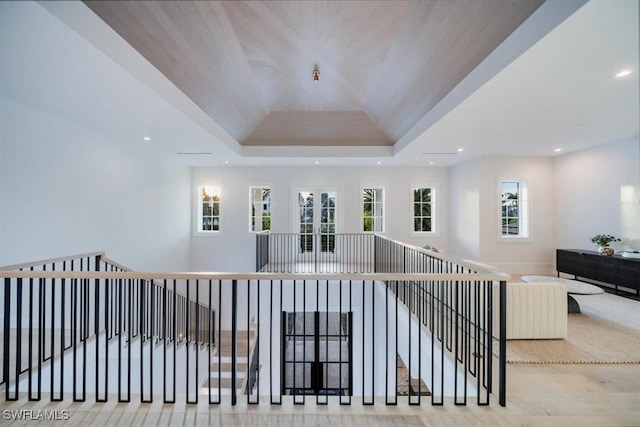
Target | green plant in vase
(603,240)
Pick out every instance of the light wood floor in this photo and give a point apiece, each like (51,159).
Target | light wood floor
(537,395)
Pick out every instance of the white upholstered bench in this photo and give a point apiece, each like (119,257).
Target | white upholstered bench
(575,287)
(534,310)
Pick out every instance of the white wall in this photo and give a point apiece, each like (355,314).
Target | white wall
(66,190)
(233,248)
(475,210)
(465,210)
(597,191)
(572,197)
(533,255)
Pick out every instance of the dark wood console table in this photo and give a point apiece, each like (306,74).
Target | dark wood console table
(612,270)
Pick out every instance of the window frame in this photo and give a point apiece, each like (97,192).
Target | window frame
(524,222)
(216,190)
(382,216)
(433,205)
(251,205)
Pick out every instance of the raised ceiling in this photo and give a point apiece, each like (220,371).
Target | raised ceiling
(248,64)
(550,84)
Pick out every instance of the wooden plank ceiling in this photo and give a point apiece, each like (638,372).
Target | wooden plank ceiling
(248,64)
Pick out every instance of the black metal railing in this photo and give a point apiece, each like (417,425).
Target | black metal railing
(315,253)
(465,327)
(262,250)
(461,311)
(273,332)
(50,319)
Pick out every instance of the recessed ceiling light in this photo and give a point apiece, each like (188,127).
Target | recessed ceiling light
(379,163)
(432,162)
(623,73)
(226,162)
(460,150)
(557,150)
(317,162)
(146,138)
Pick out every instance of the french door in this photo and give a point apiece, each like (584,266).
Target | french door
(317,220)
(317,353)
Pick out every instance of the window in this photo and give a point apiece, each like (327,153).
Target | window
(373,210)
(423,221)
(259,209)
(209,209)
(514,209)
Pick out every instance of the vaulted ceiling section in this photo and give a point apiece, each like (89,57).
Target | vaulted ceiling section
(248,65)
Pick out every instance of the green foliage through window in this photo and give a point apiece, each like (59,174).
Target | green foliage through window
(372,210)
(422,210)
(260,205)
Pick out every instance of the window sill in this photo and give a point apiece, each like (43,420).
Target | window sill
(514,240)
(207,233)
(424,234)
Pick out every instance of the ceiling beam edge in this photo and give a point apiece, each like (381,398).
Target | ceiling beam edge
(317,151)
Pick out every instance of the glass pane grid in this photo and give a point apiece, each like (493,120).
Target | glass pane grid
(510,208)
(301,368)
(260,209)
(372,208)
(422,217)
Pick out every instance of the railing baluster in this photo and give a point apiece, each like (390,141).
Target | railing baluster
(120,331)
(7,343)
(107,331)
(502,359)
(41,307)
(63,312)
(234,339)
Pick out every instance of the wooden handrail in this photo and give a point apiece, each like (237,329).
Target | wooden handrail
(414,277)
(109,261)
(466,263)
(51,261)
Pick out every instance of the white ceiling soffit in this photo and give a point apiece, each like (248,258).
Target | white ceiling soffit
(560,94)
(49,67)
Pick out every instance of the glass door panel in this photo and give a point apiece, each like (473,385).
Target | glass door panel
(328,221)
(306,220)
(319,218)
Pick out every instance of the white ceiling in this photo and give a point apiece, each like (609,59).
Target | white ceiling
(561,92)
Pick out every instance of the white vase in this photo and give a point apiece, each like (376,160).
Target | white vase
(606,250)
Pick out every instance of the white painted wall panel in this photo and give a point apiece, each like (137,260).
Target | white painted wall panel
(597,191)
(66,190)
(465,210)
(532,255)
(475,210)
